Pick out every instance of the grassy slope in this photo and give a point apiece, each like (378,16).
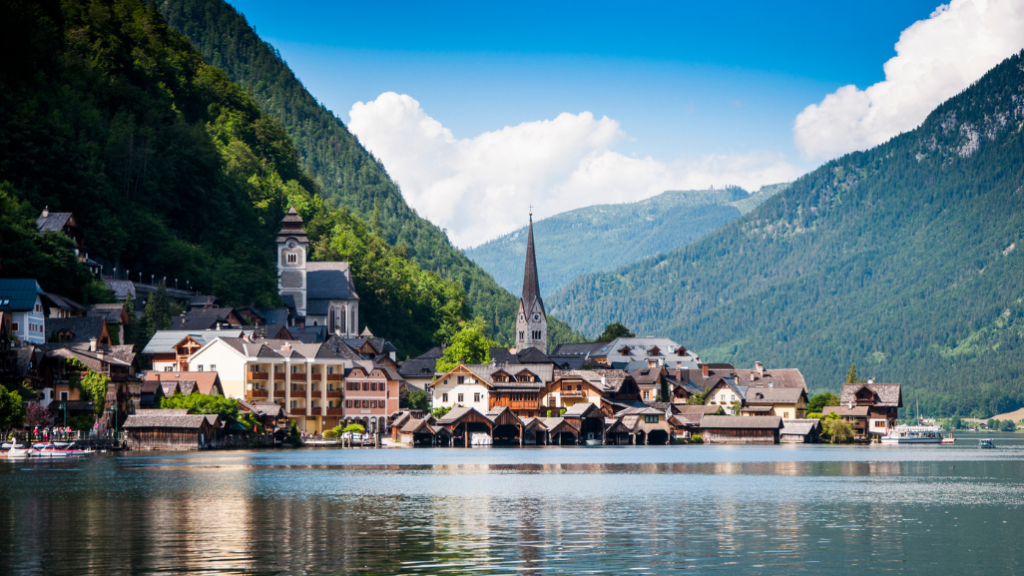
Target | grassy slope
(896,258)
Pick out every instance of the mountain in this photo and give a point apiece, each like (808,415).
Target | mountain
(905,259)
(348,175)
(171,169)
(609,236)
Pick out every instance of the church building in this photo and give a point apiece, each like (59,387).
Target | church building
(322,292)
(532,320)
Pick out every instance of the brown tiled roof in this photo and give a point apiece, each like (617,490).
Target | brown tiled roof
(741,422)
(762,395)
(885,394)
(845,410)
(205,382)
(780,377)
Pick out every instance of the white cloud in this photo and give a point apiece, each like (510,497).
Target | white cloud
(935,59)
(479,188)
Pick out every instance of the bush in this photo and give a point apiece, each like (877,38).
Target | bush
(837,430)
(332,433)
(226,408)
(814,415)
(354,428)
(696,438)
(418,400)
(440,412)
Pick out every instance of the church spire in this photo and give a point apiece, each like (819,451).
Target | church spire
(531,285)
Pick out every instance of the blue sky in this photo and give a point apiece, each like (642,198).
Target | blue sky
(690,86)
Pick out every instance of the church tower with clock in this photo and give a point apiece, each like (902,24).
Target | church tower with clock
(531,320)
(292,244)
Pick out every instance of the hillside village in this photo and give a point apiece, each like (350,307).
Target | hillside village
(306,370)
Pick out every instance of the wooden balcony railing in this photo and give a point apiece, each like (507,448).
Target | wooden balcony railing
(335,377)
(257,376)
(278,393)
(278,376)
(334,393)
(297,411)
(257,394)
(571,393)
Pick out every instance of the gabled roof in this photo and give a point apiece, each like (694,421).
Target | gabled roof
(202,319)
(532,355)
(582,410)
(204,382)
(191,421)
(580,349)
(889,395)
(482,372)
(164,341)
(845,410)
(418,368)
(112,313)
(79,329)
(742,422)
(456,414)
(762,395)
(327,281)
(778,378)
(52,221)
(19,293)
(122,289)
(801,427)
(63,303)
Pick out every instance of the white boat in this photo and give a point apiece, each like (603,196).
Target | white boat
(19,452)
(913,435)
(50,451)
(986,443)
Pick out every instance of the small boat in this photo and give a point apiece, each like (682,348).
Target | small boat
(913,435)
(50,451)
(949,439)
(986,443)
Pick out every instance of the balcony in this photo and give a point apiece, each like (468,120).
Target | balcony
(571,393)
(278,393)
(301,390)
(335,377)
(257,393)
(278,376)
(297,411)
(334,393)
(257,376)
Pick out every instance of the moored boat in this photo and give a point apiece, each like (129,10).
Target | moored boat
(949,439)
(913,435)
(19,452)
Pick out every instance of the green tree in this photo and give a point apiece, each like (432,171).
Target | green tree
(95,387)
(419,400)
(819,401)
(956,423)
(12,409)
(157,315)
(355,428)
(469,346)
(226,408)
(851,376)
(613,331)
(440,411)
(698,399)
(1007,426)
(836,430)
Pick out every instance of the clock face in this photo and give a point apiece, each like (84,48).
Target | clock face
(520,316)
(536,317)
(291,244)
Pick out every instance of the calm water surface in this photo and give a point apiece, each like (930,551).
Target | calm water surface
(608,510)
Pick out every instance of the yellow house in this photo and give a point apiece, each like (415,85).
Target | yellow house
(788,403)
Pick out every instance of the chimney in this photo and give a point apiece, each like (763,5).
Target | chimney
(759,366)
(871,380)
(46,212)
(679,372)
(218,325)
(752,376)
(604,381)
(286,347)
(92,344)
(704,370)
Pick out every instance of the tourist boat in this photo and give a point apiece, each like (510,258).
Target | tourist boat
(986,443)
(913,435)
(49,450)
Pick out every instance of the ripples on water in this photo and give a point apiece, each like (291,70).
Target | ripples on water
(614,510)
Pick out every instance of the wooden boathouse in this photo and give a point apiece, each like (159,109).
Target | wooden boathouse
(741,429)
(175,431)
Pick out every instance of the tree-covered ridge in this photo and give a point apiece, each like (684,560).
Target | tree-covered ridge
(349,176)
(905,259)
(613,235)
(172,169)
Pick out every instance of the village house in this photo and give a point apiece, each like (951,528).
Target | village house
(65,223)
(186,383)
(801,431)
(789,403)
(621,352)
(741,430)
(463,386)
(114,315)
(61,307)
(59,372)
(870,408)
(170,350)
(776,378)
(419,372)
(726,394)
(609,389)
(26,302)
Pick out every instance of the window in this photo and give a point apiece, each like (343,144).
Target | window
(879,424)
(295,404)
(444,397)
(293,258)
(579,387)
(460,397)
(387,394)
(476,397)
(14,326)
(647,395)
(200,367)
(168,368)
(373,386)
(348,403)
(295,369)
(330,386)
(366,403)
(461,380)
(366,386)
(651,419)
(213,367)
(63,395)
(521,334)
(330,403)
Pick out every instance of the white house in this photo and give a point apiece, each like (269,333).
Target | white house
(462,386)
(26,302)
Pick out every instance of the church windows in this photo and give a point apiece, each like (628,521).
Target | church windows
(342,323)
(521,334)
(293,258)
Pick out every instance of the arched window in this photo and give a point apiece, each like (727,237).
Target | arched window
(341,319)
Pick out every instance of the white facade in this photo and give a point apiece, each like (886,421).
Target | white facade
(30,325)
(226,361)
(460,390)
(532,327)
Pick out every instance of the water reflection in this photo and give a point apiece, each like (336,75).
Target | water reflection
(570,511)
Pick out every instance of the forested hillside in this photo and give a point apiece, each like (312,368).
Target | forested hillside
(348,175)
(905,259)
(613,235)
(171,169)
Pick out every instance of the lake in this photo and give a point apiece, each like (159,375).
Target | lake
(545,510)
